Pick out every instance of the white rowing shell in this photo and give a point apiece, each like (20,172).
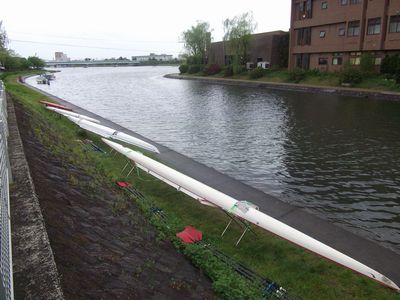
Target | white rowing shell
(111,133)
(205,193)
(68,113)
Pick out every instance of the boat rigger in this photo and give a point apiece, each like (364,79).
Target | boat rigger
(243,210)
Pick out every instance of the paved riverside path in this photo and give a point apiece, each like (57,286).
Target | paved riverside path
(368,252)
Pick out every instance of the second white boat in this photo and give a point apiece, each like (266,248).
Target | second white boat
(111,133)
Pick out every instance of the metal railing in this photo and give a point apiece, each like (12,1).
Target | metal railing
(6,270)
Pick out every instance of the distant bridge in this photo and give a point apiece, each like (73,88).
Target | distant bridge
(91,63)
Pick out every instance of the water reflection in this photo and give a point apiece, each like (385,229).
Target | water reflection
(336,156)
(342,158)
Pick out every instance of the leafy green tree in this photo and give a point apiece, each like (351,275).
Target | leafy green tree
(283,51)
(238,33)
(36,62)
(11,62)
(390,65)
(3,37)
(197,41)
(367,64)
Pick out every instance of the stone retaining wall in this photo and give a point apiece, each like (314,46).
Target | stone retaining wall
(35,272)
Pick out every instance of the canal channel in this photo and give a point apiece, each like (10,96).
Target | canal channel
(337,157)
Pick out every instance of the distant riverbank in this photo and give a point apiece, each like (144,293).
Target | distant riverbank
(298,87)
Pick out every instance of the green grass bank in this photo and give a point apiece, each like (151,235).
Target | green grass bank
(372,82)
(302,273)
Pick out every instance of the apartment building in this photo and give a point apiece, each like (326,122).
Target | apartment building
(60,56)
(324,34)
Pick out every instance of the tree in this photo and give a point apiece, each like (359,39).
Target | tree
(36,62)
(390,64)
(283,50)
(11,61)
(197,41)
(3,37)
(367,64)
(238,33)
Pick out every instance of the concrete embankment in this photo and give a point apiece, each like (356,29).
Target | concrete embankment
(342,91)
(35,271)
(102,249)
(363,250)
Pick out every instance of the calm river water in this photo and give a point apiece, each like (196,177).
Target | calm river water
(338,157)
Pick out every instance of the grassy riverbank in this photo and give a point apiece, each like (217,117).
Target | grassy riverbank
(301,272)
(372,82)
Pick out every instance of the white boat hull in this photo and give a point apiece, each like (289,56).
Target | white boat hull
(204,193)
(67,113)
(111,133)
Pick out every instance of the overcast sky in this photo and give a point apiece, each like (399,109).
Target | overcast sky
(104,29)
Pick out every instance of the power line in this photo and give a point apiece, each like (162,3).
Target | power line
(92,39)
(81,46)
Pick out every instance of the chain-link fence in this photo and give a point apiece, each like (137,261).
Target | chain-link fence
(6,282)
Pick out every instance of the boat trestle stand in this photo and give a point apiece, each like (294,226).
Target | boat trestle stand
(128,163)
(241,223)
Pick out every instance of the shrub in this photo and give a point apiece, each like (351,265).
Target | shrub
(367,64)
(228,71)
(239,69)
(314,72)
(391,67)
(183,68)
(212,69)
(256,73)
(351,75)
(297,75)
(194,69)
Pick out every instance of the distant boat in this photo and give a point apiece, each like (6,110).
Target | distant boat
(49,76)
(42,80)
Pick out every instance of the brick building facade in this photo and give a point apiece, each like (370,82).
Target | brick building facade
(324,34)
(264,47)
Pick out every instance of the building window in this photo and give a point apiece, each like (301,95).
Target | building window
(343,2)
(374,26)
(355,1)
(322,34)
(322,61)
(394,25)
(309,8)
(305,9)
(355,58)
(378,61)
(302,14)
(324,5)
(303,61)
(304,36)
(337,59)
(341,31)
(353,28)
